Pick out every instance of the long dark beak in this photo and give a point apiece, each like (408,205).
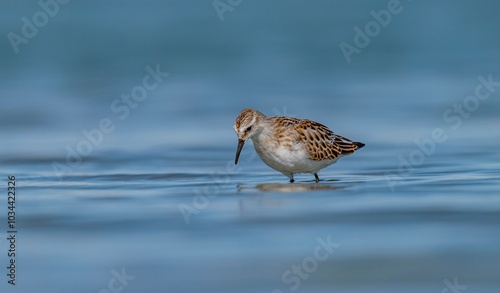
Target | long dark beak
(241,142)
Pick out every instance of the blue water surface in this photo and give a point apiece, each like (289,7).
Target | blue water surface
(143,196)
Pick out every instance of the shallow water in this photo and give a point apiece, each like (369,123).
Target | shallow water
(159,199)
(242,229)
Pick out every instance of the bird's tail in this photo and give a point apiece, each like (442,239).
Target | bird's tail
(359,144)
(346,145)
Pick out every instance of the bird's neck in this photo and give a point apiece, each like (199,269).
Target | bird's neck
(264,137)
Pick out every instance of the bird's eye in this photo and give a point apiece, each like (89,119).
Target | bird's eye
(248,129)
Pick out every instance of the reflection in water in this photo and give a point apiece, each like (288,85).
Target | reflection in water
(276,198)
(294,187)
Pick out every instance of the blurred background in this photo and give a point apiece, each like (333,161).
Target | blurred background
(116,204)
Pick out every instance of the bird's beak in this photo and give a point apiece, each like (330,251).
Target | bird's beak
(241,142)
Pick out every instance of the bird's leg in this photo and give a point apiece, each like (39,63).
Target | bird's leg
(291,178)
(316,176)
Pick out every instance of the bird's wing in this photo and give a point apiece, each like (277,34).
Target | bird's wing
(322,143)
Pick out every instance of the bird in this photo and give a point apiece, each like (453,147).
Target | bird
(291,145)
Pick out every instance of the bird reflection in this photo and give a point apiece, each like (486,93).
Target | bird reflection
(296,187)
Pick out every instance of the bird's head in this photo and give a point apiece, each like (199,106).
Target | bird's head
(246,126)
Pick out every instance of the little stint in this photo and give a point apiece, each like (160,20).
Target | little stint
(291,145)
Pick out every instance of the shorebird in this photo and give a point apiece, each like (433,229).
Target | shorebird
(291,145)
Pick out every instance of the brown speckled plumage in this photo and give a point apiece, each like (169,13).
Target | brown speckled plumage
(321,142)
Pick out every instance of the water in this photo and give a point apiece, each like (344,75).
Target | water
(158,198)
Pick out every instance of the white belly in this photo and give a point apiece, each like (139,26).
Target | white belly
(290,160)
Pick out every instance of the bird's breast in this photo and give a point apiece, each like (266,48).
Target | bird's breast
(292,157)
